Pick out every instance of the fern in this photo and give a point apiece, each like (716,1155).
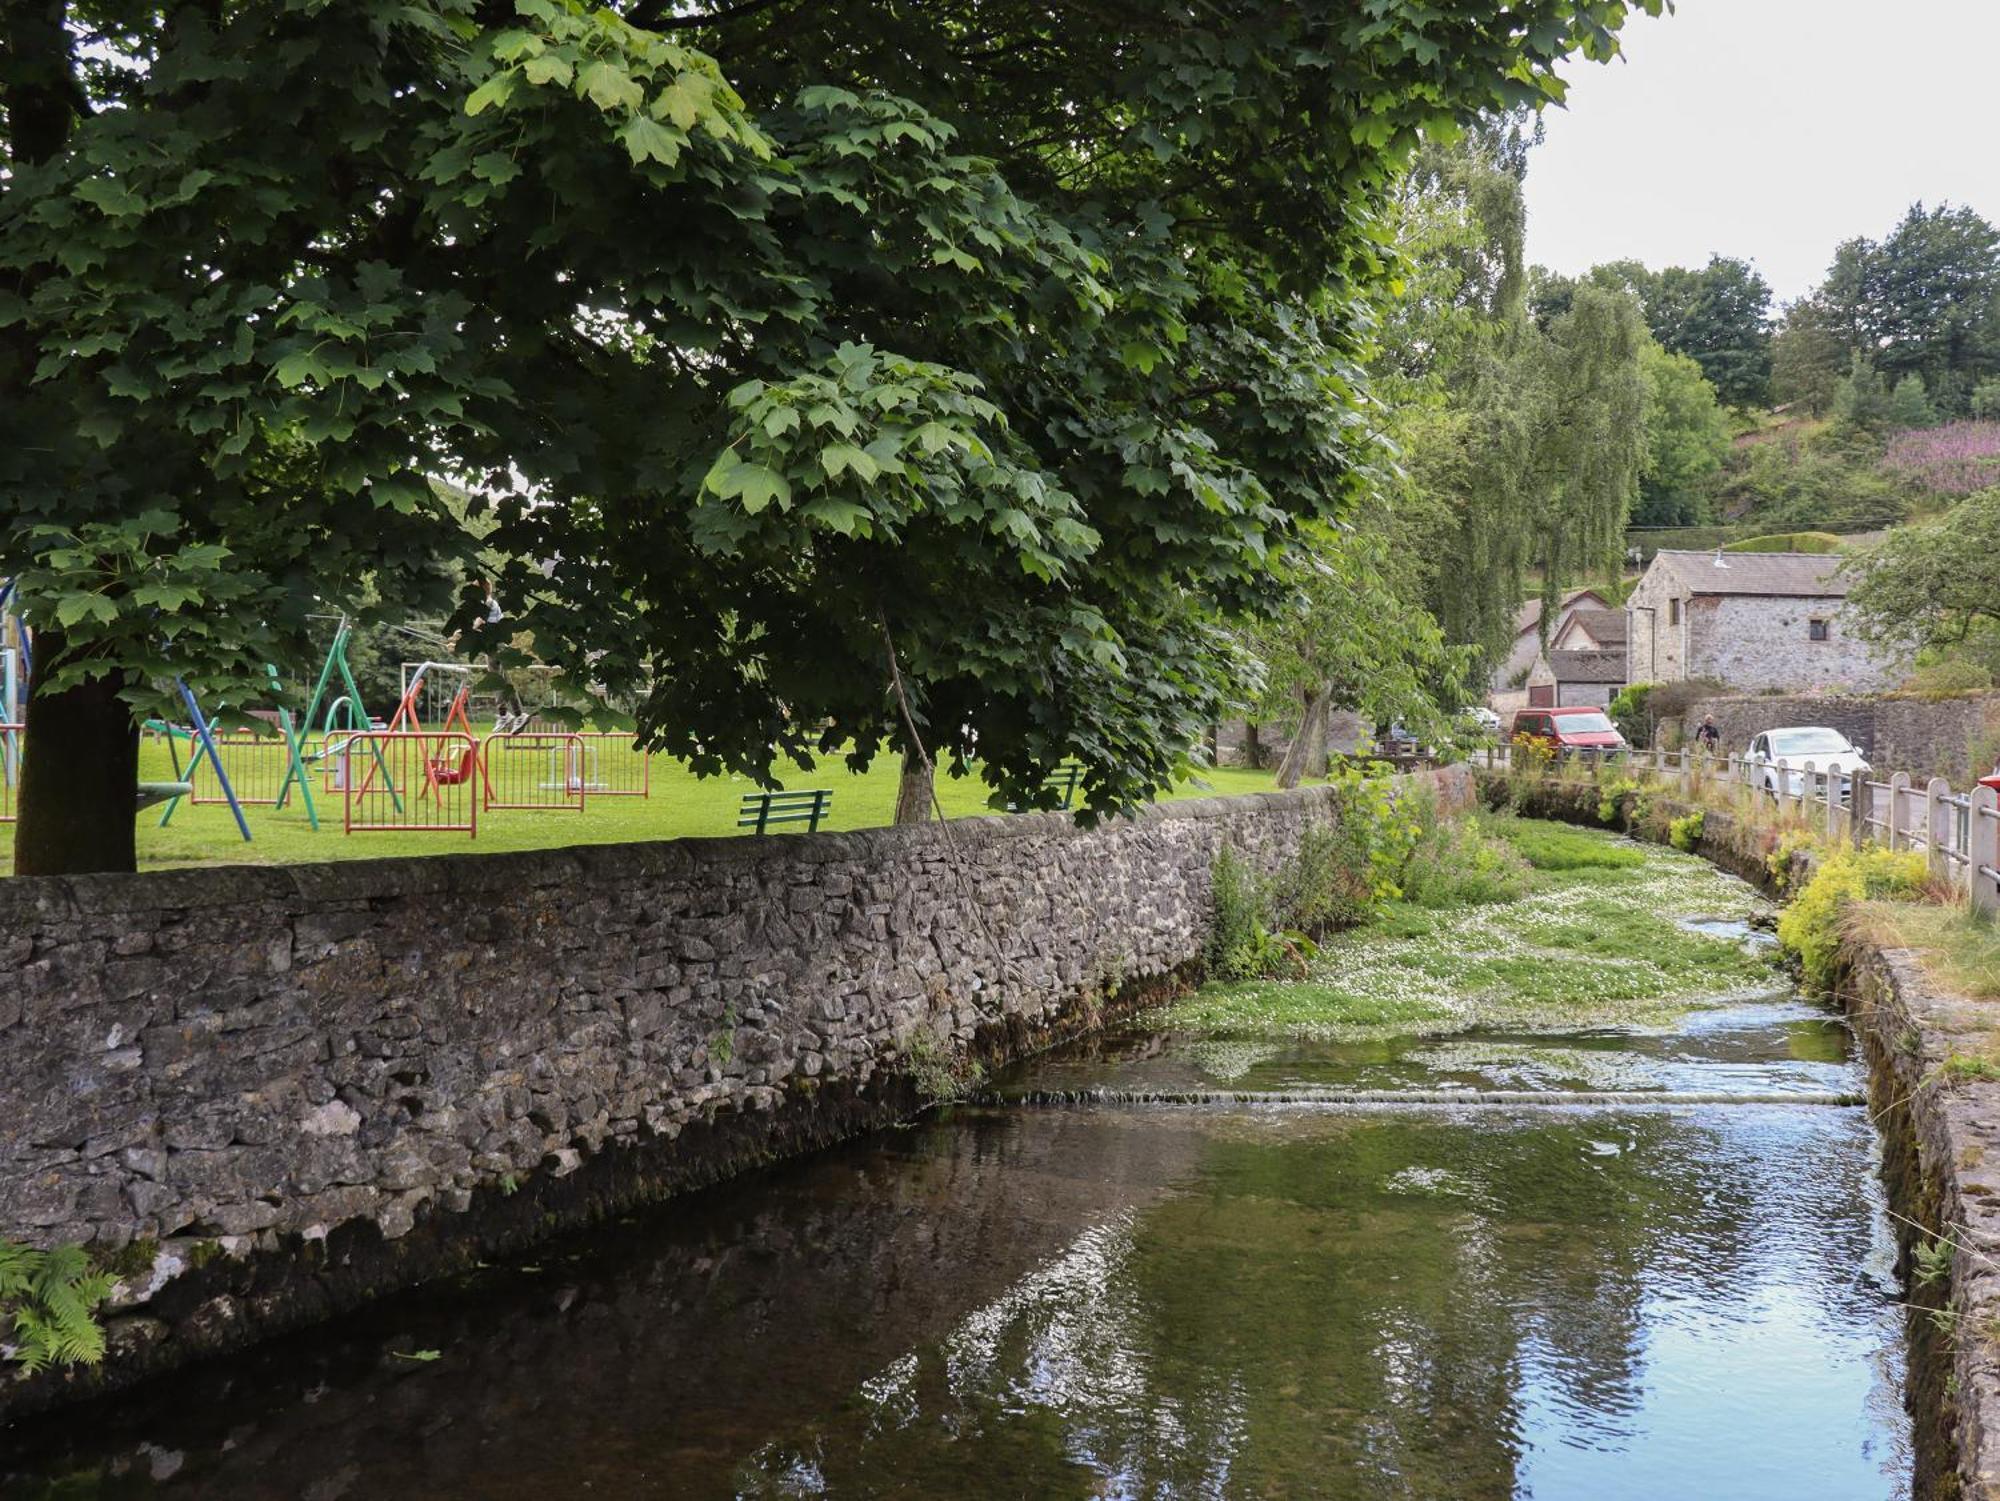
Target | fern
(51,1298)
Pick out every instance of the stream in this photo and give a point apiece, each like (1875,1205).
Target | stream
(1684,1288)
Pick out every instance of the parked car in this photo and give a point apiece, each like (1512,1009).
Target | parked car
(1828,751)
(1483,719)
(1570,731)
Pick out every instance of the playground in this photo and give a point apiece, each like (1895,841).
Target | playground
(681,805)
(256,783)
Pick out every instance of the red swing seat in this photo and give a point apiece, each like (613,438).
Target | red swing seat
(447,773)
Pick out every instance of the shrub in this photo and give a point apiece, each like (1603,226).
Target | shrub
(1684,833)
(1955,459)
(51,1299)
(1527,765)
(1381,826)
(1817,542)
(1779,860)
(1631,710)
(1240,900)
(1380,838)
(1611,795)
(941,1075)
(1673,700)
(1810,926)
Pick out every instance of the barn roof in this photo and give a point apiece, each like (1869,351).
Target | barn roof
(1797,575)
(1588,666)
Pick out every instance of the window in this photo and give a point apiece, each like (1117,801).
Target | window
(1798,745)
(1673,612)
(1820,630)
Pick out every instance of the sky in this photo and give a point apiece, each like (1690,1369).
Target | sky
(1769,130)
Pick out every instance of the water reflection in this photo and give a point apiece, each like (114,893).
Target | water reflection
(1181,1303)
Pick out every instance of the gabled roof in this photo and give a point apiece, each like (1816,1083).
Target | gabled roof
(1529,616)
(1605,627)
(1796,575)
(1588,666)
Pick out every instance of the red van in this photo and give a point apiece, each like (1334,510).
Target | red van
(1574,729)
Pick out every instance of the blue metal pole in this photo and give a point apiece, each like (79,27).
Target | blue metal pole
(208,745)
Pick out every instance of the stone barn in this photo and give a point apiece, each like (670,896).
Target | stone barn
(1767,621)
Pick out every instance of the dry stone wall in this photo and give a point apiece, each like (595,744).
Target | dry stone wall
(252,1060)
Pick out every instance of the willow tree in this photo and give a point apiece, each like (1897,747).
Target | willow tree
(1523,439)
(985,348)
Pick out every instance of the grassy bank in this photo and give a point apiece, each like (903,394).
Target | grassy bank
(1598,933)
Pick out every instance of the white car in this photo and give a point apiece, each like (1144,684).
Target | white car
(1827,750)
(1484,719)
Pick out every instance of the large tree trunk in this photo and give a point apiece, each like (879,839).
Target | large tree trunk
(913,792)
(1306,755)
(79,779)
(1253,745)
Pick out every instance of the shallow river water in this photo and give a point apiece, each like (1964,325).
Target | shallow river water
(1120,1298)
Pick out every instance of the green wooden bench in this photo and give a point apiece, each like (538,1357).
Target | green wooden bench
(1063,780)
(762,809)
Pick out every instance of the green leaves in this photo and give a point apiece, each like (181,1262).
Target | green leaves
(647,140)
(752,485)
(50,1298)
(884,444)
(113,199)
(657,92)
(838,458)
(496,91)
(610,87)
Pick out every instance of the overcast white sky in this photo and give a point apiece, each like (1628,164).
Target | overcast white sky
(1770,130)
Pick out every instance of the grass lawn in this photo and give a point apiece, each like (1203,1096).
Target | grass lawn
(681,805)
(1600,937)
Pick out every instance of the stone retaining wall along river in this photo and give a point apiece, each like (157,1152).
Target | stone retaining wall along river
(268,1094)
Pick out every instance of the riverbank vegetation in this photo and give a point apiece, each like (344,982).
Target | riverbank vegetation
(1956,946)
(1495,919)
(1887,898)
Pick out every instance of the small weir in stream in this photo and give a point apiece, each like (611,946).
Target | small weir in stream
(1616,1264)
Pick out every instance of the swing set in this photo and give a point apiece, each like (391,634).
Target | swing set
(440,767)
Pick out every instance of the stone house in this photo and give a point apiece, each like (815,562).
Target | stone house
(1588,629)
(1582,676)
(1752,620)
(1518,665)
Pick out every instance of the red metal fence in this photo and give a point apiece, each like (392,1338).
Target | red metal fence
(612,765)
(534,771)
(255,765)
(420,781)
